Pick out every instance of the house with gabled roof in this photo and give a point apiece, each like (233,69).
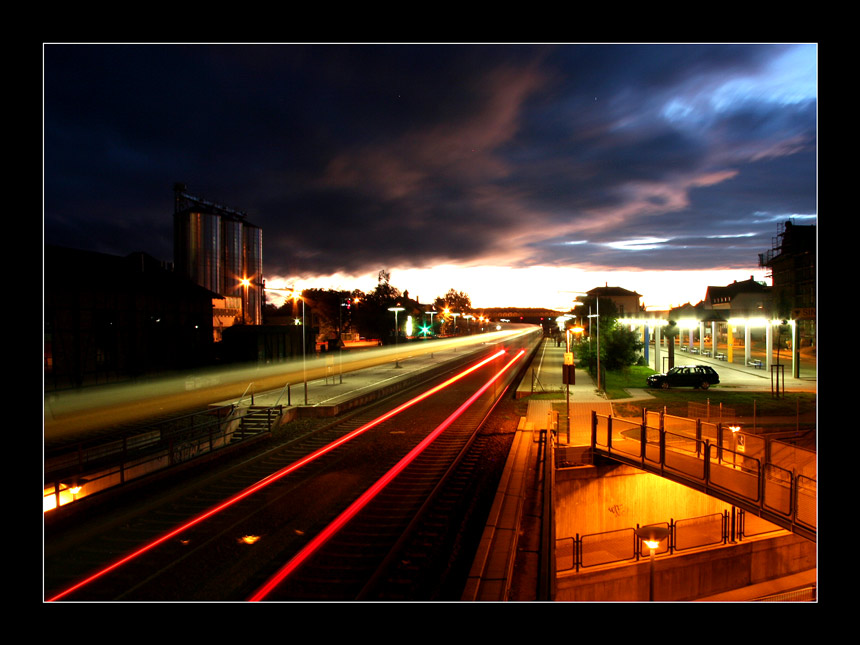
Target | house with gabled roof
(750,298)
(626,302)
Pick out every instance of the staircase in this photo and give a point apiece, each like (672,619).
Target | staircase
(258,420)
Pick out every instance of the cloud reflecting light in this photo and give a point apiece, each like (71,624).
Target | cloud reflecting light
(557,162)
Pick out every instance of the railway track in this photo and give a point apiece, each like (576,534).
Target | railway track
(231,536)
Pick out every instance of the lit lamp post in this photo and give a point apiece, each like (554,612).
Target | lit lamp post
(304,351)
(597,302)
(245,282)
(454,316)
(652,536)
(597,315)
(735,430)
(570,370)
(396,310)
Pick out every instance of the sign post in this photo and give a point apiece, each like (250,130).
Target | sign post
(568,377)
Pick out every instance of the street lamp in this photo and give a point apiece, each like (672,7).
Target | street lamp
(652,536)
(396,310)
(292,293)
(297,296)
(735,430)
(245,282)
(597,315)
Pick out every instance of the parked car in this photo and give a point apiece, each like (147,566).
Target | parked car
(702,376)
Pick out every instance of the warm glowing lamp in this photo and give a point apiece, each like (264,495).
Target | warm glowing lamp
(74,487)
(735,430)
(245,282)
(652,536)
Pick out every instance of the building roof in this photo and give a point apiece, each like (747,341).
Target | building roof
(727,293)
(618,292)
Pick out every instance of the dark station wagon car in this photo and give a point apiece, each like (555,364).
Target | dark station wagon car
(701,376)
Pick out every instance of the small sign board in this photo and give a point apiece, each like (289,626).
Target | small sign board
(568,374)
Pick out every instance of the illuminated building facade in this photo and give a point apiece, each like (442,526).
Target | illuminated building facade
(217,248)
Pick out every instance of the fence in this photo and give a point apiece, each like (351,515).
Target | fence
(744,469)
(74,472)
(624,545)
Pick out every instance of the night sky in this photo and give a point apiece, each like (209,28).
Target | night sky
(576,165)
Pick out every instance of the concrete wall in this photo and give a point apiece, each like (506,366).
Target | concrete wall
(694,575)
(610,497)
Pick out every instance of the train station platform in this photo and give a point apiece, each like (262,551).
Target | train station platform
(507,565)
(342,387)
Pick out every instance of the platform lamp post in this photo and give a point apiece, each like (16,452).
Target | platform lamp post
(297,296)
(652,536)
(292,293)
(455,316)
(396,310)
(597,315)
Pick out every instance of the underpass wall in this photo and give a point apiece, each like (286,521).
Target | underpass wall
(693,575)
(609,497)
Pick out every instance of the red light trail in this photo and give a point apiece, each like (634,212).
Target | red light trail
(371,492)
(266,481)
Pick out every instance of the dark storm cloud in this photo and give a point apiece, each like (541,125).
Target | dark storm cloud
(355,158)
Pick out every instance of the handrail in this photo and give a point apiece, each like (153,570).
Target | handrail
(721,471)
(281,395)
(250,385)
(592,550)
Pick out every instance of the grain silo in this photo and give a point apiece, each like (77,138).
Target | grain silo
(219,249)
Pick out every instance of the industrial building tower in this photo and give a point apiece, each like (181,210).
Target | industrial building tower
(217,248)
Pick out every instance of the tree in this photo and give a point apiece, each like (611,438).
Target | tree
(328,310)
(619,346)
(456,302)
(371,314)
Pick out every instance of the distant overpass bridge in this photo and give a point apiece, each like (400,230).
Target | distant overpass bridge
(774,481)
(534,316)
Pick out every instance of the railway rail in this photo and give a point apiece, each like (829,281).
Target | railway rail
(365,508)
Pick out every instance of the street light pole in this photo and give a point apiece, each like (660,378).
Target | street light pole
(597,304)
(295,296)
(396,334)
(652,536)
(245,284)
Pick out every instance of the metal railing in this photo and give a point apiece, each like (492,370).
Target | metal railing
(624,545)
(735,467)
(73,472)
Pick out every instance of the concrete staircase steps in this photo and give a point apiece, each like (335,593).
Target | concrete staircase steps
(256,421)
